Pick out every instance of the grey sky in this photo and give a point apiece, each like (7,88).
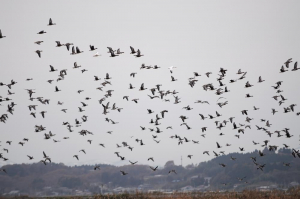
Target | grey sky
(195,36)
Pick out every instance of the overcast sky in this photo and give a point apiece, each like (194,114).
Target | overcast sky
(194,36)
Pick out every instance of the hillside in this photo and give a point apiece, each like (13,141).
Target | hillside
(34,178)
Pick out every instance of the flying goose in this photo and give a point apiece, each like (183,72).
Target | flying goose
(119,51)
(1,36)
(37,42)
(132,50)
(151,158)
(138,53)
(41,32)
(172,171)
(142,87)
(173,79)
(76,156)
(112,54)
(58,44)
(96,54)
(154,169)
(92,48)
(295,67)
(288,62)
(171,68)
(123,173)
(39,53)
(30,157)
(282,70)
(260,79)
(68,45)
(82,151)
(51,23)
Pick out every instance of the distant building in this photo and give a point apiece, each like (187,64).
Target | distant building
(294,184)
(208,179)
(187,189)
(14,193)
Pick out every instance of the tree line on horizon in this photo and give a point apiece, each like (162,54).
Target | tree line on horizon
(31,178)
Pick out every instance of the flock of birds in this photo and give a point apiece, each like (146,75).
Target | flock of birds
(155,92)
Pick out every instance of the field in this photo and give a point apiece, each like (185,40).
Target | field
(246,194)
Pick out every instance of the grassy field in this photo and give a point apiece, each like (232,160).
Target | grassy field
(247,194)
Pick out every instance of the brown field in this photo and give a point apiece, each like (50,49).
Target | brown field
(246,194)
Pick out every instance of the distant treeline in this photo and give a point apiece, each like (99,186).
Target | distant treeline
(30,178)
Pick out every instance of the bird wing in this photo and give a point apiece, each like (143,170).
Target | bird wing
(132,49)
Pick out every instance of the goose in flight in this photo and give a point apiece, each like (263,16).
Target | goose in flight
(56,89)
(45,156)
(151,158)
(43,113)
(92,48)
(82,151)
(119,51)
(232,158)
(282,70)
(171,68)
(78,50)
(138,53)
(44,161)
(58,44)
(123,173)
(133,163)
(286,164)
(51,23)
(240,72)
(172,171)
(68,45)
(142,87)
(173,79)
(76,156)
(21,143)
(30,157)
(38,42)
(260,80)
(1,36)
(261,153)
(73,51)
(154,169)
(41,32)
(288,62)
(97,167)
(52,69)
(208,73)
(112,53)
(39,53)
(132,50)
(96,54)
(295,67)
